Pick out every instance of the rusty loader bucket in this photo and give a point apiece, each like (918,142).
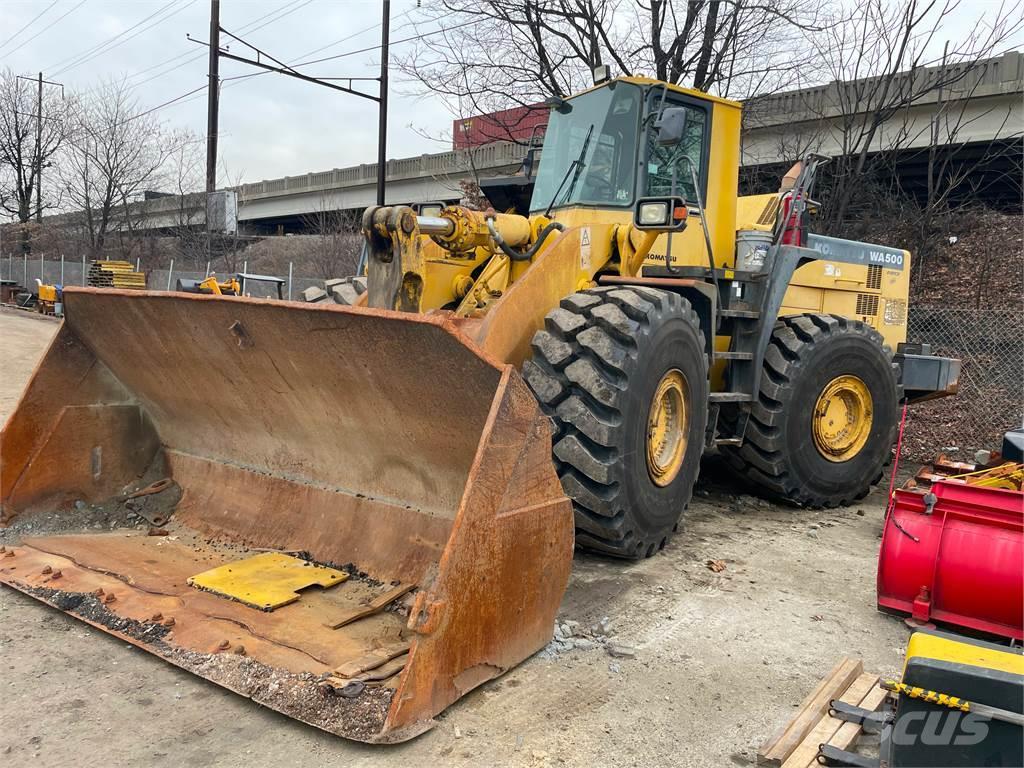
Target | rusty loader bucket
(348,515)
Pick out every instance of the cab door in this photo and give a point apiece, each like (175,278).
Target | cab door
(670,170)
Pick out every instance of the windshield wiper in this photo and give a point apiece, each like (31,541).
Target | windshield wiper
(576,165)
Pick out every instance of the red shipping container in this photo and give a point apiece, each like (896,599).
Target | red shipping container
(518,124)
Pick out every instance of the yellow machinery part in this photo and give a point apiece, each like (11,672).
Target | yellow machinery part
(933,646)
(667,426)
(843,413)
(266,581)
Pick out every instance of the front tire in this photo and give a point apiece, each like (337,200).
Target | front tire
(622,373)
(825,420)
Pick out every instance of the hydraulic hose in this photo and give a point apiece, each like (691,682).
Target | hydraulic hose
(530,252)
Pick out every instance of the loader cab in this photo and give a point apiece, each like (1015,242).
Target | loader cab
(605,148)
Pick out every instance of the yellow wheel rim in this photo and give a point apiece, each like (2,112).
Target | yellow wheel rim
(667,427)
(842,418)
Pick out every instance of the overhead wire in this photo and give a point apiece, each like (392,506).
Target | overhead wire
(115,43)
(91,49)
(247,28)
(30,23)
(50,26)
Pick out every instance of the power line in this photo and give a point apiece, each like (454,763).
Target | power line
(103,43)
(420,36)
(116,42)
(236,80)
(33,21)
(245,29)
(183,54)
(165,104)
(47,28)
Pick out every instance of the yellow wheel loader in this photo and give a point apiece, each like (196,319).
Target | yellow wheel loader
(372,508)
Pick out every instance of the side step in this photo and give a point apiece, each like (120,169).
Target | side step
(734,355)
(731,397)
(744,314)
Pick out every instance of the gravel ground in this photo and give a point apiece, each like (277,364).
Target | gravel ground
(709,661)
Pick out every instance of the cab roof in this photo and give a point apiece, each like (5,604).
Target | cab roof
(648,81)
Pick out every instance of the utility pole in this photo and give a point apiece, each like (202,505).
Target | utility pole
(39,152)
(212,117)
(37,164)
(382,115)
(261,61)
(213,97)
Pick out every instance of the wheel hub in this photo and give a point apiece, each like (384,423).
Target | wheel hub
(667,425)
(842,418)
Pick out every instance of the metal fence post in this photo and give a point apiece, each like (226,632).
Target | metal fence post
(42,274)
(84,282)
(62,269)
(289,281)
(138,263)
(170,274)
(207,269)
(24,267)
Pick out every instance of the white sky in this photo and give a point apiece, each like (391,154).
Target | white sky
(270,125)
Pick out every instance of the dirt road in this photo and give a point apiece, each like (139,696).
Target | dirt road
(721,658)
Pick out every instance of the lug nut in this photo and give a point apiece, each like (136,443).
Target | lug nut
(239,650)
(156,617)
(56,575)
(47,569)
(109,598)
(98,592)
(224,645)
(169,621)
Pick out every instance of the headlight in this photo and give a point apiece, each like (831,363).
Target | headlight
(653,214)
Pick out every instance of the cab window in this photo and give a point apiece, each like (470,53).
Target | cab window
(663,162)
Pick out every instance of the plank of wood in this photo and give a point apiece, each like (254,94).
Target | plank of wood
(848,733)
(372,660)
(782,743)
(376,605)
(806,753)
(384,671)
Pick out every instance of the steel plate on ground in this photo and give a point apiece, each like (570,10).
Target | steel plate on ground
(266,581)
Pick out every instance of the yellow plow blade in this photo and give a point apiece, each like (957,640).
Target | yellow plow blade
(380,444)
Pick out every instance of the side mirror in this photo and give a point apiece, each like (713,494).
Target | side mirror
(671,126)
(665,214)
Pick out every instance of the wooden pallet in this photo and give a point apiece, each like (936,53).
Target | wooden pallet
(795,745)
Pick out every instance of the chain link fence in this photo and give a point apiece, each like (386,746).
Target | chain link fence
(990,346)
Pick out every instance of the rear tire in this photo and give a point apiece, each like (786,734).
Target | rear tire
(785,452)
(597,366)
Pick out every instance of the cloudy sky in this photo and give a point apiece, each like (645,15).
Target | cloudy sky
(270,125)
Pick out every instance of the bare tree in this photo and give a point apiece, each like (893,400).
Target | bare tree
(880,57)
(183,174)
(335,249)
(495,54)
(20,154)
(115,151)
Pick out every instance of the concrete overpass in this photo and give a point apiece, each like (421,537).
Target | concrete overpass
(777,129)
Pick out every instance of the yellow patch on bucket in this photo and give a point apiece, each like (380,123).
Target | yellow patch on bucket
(266,581)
